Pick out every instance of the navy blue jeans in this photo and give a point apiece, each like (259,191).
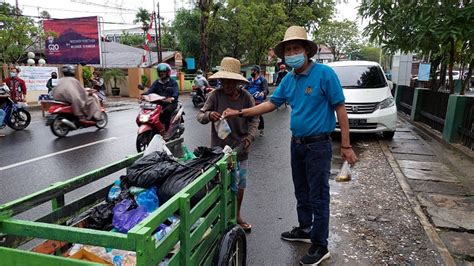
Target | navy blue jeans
(311,166)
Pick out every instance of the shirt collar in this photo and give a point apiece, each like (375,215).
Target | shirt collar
(306,71)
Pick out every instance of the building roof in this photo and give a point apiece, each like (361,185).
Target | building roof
(116,55)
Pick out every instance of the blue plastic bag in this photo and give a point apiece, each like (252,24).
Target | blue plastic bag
(148,199)
(125,218)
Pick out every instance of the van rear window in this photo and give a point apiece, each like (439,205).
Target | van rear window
(354,77)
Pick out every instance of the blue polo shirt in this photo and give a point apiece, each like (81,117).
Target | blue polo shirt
(313,96)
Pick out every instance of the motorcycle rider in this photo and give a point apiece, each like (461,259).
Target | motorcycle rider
(200,81)
(258,88)
(166,87)
(86,107)
(16,85)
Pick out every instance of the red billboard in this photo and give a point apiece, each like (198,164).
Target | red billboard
(77,41)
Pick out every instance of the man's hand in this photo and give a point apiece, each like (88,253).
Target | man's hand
(214,116)
(349,155)
(230,112)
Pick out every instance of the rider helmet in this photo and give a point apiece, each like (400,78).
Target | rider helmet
(69,70)
(282,66)
(199,72)
(164,67)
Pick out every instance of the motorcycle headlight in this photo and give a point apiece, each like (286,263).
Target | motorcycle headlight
(389,102)
(144,118)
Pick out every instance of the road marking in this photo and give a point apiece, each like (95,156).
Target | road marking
(56,153)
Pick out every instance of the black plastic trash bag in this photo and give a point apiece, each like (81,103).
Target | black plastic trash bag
(150,170)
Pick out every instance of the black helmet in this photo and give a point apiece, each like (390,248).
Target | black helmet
(69,70)
(164,67)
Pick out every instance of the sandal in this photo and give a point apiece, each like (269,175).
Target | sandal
(246,226)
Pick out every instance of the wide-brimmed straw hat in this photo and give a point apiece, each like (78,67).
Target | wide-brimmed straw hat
(295,33)
(229,69)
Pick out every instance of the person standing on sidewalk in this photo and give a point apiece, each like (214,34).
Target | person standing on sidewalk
(258,88)
(314,93)
(244,130)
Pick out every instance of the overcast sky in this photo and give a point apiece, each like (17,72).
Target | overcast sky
(119,14)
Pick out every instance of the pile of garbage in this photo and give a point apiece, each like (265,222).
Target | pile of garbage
(149,182)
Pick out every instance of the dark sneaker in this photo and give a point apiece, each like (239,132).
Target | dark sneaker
(297,234)
(316,254)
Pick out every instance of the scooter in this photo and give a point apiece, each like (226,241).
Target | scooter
(149,124)
(199,95)
(61,119)
(17,117)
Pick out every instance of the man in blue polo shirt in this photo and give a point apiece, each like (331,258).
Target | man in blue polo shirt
(314,94)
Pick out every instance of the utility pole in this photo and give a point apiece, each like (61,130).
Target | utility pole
(158,50)
(160,55)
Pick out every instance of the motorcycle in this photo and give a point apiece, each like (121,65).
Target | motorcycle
(149,124)
(199,95)
(61,119)
(17,117)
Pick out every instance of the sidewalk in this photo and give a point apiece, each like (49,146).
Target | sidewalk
(438,180)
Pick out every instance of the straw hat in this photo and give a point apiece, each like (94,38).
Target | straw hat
(295,33)
(229,69)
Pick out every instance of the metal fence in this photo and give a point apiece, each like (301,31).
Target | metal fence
(466,130)
(406,98)
(433,109)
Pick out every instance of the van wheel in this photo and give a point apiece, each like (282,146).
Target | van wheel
(388,135)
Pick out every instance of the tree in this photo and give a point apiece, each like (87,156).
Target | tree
(436,29)
(143,17)
(45,14)
(186,28)
(17,34)
(370,53)
(339,36)
(132,39)
(168,40)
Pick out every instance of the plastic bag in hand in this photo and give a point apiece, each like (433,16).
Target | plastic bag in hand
(345,173)
(222,128)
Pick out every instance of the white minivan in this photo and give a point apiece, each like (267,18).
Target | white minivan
(370,105)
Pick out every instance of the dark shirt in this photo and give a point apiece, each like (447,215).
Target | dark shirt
(166,89)
(17,88)
(281,75)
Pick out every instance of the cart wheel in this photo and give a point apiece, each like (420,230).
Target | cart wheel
(232,249)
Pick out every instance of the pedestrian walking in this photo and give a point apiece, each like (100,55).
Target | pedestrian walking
(258,88)
(315,94)
(243,130)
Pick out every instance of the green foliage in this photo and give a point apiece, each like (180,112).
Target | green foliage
(186,27)
(143,17)
(442,29)
(168,39)
(17,34)
(114,74)
(132,39)
(370,53)
(144,79)
(86,73)
(340,36)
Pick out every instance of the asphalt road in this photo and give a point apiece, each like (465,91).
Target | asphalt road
(34,158)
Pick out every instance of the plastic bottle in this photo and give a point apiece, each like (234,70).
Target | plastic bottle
(117,260)
(115,191)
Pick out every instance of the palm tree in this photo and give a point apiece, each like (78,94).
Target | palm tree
(143,17)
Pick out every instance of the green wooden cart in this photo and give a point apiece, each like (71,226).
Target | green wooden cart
(216,241)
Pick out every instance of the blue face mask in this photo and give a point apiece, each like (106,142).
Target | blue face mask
(13,74)
(295,61)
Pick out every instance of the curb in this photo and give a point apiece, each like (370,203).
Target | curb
(424,130)
(416,207)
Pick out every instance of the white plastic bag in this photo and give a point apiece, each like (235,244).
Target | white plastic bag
(157,144)
(345,173)
(222,128)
